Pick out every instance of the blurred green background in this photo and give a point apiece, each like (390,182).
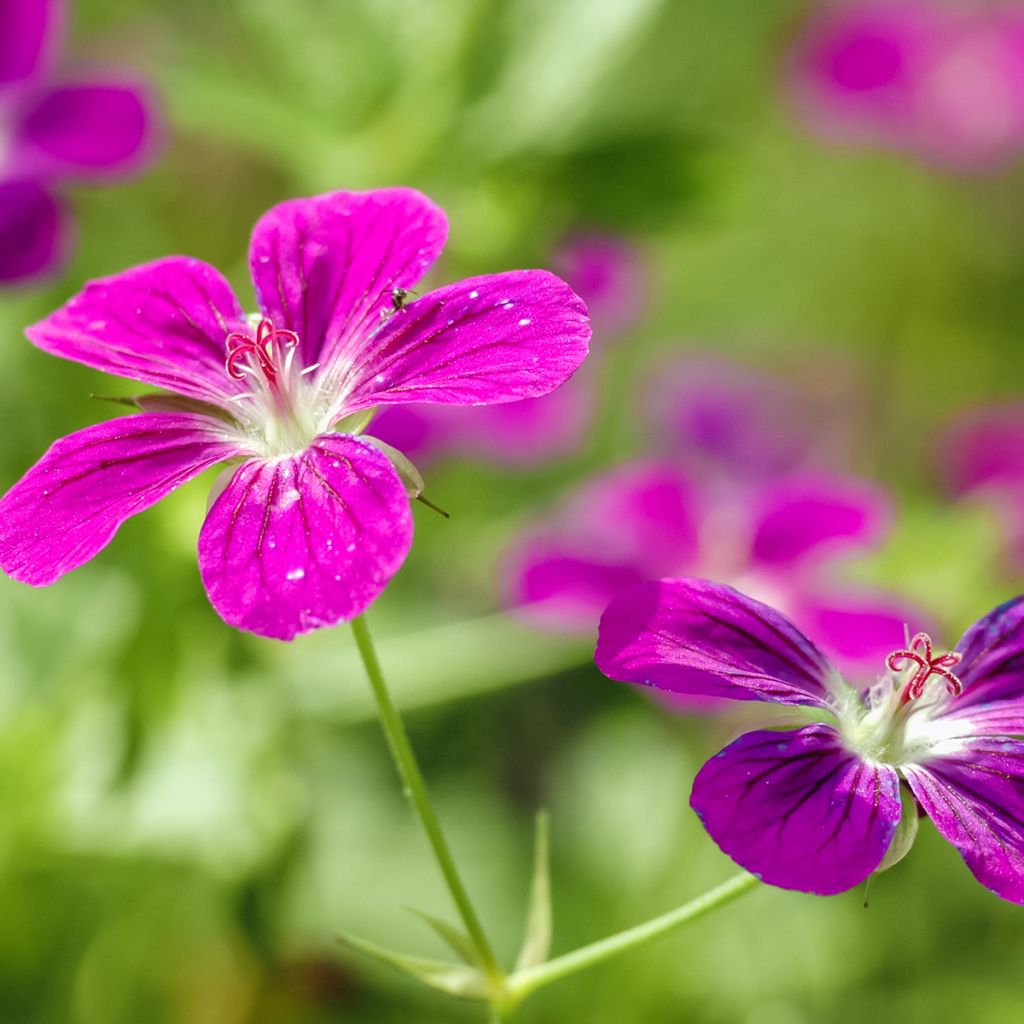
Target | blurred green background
(187,814)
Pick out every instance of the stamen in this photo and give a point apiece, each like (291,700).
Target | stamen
(264,353)
(919,652)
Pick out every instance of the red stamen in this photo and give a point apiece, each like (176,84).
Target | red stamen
(267,347)
(927,666)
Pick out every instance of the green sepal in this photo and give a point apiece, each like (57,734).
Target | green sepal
(537,940)
(457,941)
(455,979)
(905,834)
(158,402)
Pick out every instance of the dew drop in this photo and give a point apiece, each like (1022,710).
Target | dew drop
(525,322)
(474,294)
(295,574)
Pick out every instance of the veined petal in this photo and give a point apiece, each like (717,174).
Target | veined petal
(484,340)
(973,789)
(27,29)
(817,517)
(164,323)
(305,541)
(69,505)
(798,809)
(699,638)
(33,230)
(93,128)
(325,267)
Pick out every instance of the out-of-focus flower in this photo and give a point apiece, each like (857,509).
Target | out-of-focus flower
(940,80)
(819,808)
(777,540)
(53,129)
(608,273)
(313,523)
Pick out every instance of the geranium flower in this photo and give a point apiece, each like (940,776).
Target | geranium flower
(776,539)
(927,76)
(315,520)
(817,808)
(51,130)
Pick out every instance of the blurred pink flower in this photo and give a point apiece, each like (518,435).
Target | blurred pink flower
(52,129)
(943,81)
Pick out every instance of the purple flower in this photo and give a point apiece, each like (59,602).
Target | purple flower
(315,520)
(649,519)
(817,808)
(926,76)
(51,130)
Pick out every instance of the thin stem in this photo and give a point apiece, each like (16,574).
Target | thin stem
(522,983)
(416,790)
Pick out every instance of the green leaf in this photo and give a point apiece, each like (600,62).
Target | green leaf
(459,942)
(456,980)
(537,941)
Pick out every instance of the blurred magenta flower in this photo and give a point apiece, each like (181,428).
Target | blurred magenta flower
(608,272)
(941,80)
(817,808)
(53,129)
(777,540)
(313,523)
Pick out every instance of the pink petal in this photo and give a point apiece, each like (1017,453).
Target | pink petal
(983,447)
(28,28)
(695,637)
(83,129)
(69,505)
(974,792)
(163,323)
(798,809)
(816,517)
(33,230)
(325,267)
(489,339)
(305,541)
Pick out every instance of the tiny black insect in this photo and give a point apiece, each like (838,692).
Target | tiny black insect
(399,297)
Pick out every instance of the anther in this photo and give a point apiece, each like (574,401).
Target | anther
(245,354)
(919,653)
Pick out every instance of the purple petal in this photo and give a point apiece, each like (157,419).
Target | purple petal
(817,517)
(325,267)
(416,431)
(992,672)
(484,340)
(84,129)
(696,637)
(163,323)
(27,29)
(982,447)
(69,505)
(974,792)
(306,541)
(798,809)
(33,230)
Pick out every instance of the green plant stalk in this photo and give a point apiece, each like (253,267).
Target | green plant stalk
(416,790)
(521,983)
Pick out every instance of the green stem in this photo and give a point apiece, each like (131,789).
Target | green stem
(416,790)
(522,983)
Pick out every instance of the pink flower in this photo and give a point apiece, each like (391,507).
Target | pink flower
(775,540)
(927,76)
(315,520)
(51,130)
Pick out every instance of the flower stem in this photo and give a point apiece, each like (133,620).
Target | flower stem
(416,790)
(522,983)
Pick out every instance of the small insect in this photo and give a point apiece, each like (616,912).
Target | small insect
(399,298)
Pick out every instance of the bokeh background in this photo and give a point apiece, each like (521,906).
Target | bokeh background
(188,814)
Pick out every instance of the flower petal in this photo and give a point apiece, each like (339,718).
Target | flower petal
(164,323)
(817,517)
(798,809)
(983,447)
(306,541)
(325,267)
(701,638)
(488,339)
(69,505)
(974,792)
(84,129)
(26,27)
(33,230)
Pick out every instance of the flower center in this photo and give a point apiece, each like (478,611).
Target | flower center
(271,348)
(920,654)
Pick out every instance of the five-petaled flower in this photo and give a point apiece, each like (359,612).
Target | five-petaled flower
(51,130)
(816,809)
(315,520)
